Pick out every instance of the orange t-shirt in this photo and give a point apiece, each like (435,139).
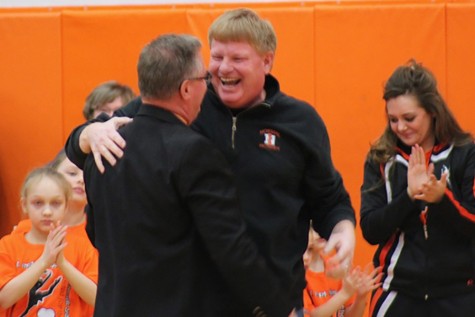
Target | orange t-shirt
(320,288)
(52,295)
(25,225)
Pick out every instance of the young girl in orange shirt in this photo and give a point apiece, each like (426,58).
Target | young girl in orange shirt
(45,271)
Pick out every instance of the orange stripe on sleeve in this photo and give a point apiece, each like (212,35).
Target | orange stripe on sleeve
(385,250)
(462,211)
(374,300)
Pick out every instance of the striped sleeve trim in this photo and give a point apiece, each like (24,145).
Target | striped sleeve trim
(462,211)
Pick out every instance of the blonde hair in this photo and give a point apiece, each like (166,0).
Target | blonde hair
(36,175)
(58,159)
(244,25)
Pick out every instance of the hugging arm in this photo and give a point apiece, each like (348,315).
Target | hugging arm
(100,137)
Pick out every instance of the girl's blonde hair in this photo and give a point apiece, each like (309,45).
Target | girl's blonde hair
(38,174)
(58,159)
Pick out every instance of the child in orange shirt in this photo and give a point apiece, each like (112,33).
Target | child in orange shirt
(45,272)
(75,217)
(326,295)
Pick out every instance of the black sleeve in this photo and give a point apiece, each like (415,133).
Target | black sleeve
(72,149)
(457,206)
(324,189)
(380,218)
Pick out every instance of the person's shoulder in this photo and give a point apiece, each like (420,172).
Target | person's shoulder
(460,151)
(281,101)
(191,138)
(188,144)
(177,139)
(5,239)
(79,229)
(288,100)
(77,235)
(284,99)
(78,243)
(129,110)
(296,107)
(300,115)
(467,146)
(12,241)
(23,226)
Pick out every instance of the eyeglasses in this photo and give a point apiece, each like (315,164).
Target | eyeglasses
(206,77)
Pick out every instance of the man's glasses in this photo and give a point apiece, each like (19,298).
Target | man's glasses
(206,77)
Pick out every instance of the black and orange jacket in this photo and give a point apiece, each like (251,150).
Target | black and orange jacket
(436,263)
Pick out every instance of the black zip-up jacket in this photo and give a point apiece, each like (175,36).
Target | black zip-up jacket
(279,151)
(432,262)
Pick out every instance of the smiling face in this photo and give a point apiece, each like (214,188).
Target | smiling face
(239,73)
(410,122)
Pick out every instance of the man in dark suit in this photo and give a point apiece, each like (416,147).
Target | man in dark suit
(165,218)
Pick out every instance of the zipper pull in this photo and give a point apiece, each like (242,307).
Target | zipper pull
(423,217)
(426,233)
(233,131)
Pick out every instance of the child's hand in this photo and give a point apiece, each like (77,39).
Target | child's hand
(54,245)
(351,282)
(368,280)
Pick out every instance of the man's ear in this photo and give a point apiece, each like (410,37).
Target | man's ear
(185,88)
(268,60)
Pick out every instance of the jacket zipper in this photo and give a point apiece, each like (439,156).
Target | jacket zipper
(233,131)
(423,217)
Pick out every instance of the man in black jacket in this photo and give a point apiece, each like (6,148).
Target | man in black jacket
(277,146)
(165,218)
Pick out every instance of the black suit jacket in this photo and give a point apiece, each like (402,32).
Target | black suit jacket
(170,235)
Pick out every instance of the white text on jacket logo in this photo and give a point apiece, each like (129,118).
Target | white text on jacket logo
(270,138)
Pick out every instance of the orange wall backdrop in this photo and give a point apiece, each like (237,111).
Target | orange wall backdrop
(335,55)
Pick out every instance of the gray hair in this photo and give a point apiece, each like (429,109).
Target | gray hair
(165,62)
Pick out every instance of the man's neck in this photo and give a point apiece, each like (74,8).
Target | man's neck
(171,105)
